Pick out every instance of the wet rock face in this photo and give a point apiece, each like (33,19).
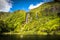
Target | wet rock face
(53,9)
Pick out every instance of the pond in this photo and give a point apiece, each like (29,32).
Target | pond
(29,37)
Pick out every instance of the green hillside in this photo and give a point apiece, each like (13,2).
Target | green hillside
(42,20)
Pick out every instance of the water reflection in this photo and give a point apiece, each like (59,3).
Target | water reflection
(29,37)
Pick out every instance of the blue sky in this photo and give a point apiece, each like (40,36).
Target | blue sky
(13,5)
(23,4)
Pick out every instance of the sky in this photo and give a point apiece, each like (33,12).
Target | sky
(13,5)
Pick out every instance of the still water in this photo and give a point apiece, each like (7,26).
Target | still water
(29,37)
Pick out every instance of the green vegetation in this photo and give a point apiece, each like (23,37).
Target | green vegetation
(42,20)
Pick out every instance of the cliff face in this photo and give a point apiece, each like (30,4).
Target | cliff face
(47,9)
(45,18)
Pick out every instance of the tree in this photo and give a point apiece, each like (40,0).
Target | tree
(58,14)
(3,27)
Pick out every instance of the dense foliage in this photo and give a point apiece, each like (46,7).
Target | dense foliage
(44,19)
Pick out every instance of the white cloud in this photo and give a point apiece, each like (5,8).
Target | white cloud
(5,5)
(35,6)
